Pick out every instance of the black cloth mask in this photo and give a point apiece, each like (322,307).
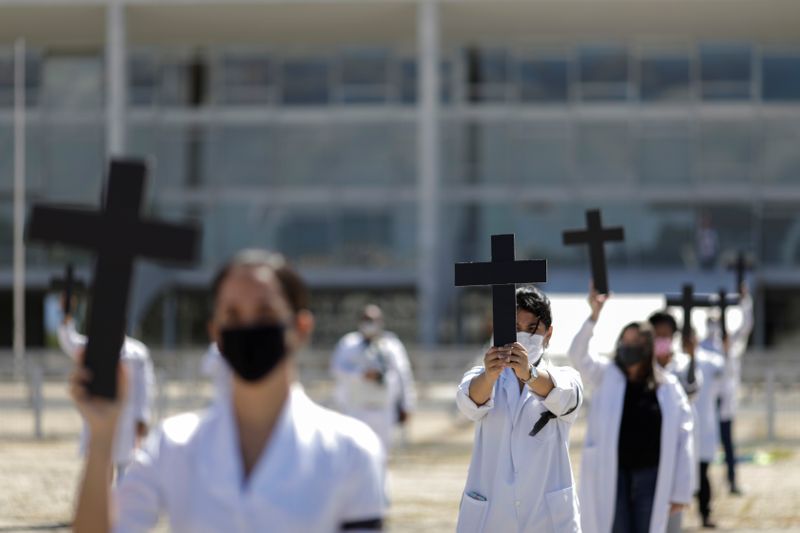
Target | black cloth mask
(628,356)
(254,351)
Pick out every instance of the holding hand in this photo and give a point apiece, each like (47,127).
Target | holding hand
(494,362)
(596,302)
(101,414)
(518,361)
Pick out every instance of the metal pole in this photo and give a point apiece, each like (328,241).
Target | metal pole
(19,208)
(116,78)
(428,154)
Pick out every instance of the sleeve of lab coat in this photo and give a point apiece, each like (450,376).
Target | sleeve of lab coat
(138,499)
(69,340)
(684,479)
(567,396)
(408,400)
(465,404)
(591,367)
(364,496)
(144,385)
(738,339)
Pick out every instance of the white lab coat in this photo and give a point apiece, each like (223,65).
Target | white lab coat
(318,471)
(215,367)
(599,467)
(706,432)
(729,389)
(376,404)
(526,481)
(141,383)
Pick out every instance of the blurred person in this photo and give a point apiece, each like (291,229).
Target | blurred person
(520,475)
(263,456)
(134,420)
(712,367)
(638,459)
(732,351)
(374,381)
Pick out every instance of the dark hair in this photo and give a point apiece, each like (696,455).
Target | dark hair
(646,336)
(294,288)
(534,301)
(662,317)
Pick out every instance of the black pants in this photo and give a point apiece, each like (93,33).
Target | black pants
(726,435)
(704,495)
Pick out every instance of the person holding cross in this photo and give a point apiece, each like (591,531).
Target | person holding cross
(520,476)
(638,460)
(732,347)
(135,418)
(264,457)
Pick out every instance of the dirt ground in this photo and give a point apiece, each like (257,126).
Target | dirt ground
(427,471)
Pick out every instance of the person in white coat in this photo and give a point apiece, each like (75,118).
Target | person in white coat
(638,458)
(135,417)
(374,381)
(732,350)
(520,476)
(264,457)
(712,367)
(214,367)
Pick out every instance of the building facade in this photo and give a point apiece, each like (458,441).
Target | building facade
(376,142)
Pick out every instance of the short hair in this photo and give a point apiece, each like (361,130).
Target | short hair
(534,301)
(662,317)
(294,288)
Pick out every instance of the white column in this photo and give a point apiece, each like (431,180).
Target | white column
(116,78)
(19,208)
(428,161)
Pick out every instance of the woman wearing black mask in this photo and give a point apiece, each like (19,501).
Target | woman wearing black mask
(264,457)
(638,464)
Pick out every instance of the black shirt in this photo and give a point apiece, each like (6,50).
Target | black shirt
(640,429)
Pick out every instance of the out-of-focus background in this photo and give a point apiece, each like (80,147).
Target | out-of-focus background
(377,142)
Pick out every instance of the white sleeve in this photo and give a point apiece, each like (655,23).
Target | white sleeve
(69,340)
(591,367)
(144,385)
(408,390)
(363,495)
(567,396)
(738,339)
(138,499)
(465,404)
(684,478)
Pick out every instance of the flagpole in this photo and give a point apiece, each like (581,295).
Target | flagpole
(19,207)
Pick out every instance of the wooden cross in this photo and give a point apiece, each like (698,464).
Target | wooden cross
(118,235)
(502,273)
(595,235)
(687,301)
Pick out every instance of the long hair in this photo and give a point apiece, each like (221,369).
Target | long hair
(646,337)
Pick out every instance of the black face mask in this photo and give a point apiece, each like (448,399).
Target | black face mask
(253,351)
(628,356)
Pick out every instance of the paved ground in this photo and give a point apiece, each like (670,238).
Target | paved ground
(38,477)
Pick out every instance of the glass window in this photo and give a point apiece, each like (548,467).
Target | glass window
(74,162)
(73,82)
(726,151)
(408,81)
(245,78)
(170,148)
(664,78)
(142,80)
(603,72)
(780,77)
(781,152)
(489,72)
(306,81)
(664,154)
(32,78)
(364,75)
(543,80)
(780,235)
(604,151)
(726,71)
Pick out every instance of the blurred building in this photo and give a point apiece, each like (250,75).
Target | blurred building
(376,142)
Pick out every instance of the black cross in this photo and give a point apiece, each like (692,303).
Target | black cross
(595,235)
(66,286)
(740,265)
(723,302)
(118,235)
(502,273)
(688,300)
